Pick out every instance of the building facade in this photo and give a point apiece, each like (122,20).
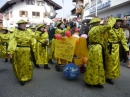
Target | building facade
(79,7)
(1,20)
(105,8)
(33,11)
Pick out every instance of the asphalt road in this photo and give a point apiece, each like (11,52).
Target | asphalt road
(50,83)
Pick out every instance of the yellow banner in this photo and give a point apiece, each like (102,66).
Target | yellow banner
(65,48)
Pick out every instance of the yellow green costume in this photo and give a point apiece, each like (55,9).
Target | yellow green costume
(20,46)
(95,74)
(12,30)
(32,33)
(58,29)
(4,43)
(112,39)
(41,47)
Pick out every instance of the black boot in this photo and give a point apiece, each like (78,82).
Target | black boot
(99,86)
(109,81)
(124,61)
(6,60)
(50,61)
(37,66)
(22,83)
(11,61)
(46,67)
(58,67)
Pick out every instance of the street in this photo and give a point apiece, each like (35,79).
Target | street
(50,83)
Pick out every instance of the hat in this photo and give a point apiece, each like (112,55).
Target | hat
(4,28)
(12,29)
(22,22)
(95,20)
(59,23)
(33,27)
(40,25)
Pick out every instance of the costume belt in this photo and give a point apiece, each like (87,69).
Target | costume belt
(109,47)
(22,46)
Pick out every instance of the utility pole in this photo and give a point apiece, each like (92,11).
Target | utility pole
(62,10)
(96,7)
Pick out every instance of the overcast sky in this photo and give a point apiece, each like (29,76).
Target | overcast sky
(67,7)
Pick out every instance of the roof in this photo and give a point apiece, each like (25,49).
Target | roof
(57,19)
(55,5)
(12,2)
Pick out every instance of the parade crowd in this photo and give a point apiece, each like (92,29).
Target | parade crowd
(98,55)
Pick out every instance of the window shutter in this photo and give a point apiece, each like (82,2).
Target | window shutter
(44,15)
(8,16)
(20,13)
(26,13)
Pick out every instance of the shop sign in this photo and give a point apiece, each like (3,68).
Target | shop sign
(100,6)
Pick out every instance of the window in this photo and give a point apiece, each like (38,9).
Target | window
(118,15)
(93,2)
(39,3)
(33,13)
(11,14)
(36,14)
(7,16)
(23,13)
(80,2)
(30,2)
(44,15)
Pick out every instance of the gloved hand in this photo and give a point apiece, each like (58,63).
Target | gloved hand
(43,45)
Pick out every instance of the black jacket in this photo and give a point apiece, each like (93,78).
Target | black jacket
(51,33)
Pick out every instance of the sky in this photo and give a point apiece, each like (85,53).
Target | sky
(67,7)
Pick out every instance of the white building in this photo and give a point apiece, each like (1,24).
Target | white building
(105,8)
(33,11)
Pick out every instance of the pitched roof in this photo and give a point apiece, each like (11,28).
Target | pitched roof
(55,5)
(12,2)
